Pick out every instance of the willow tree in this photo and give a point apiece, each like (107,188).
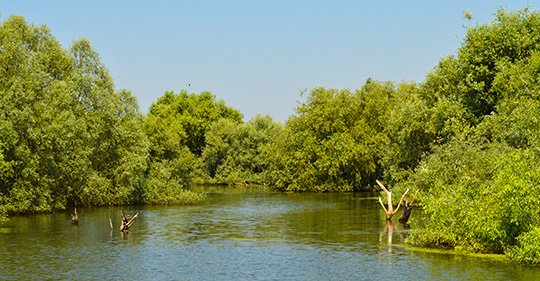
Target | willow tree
(235,152)
(116,144)
(334,142)
(68,136)
(176,126)
(38,151)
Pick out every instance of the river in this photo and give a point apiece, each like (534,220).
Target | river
(236,234)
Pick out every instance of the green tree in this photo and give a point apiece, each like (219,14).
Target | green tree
(38,126)
(176,127)
(487,48)
(410,132)
(69,138)
(117,145)
(335,142)
(234,153)
(191,115)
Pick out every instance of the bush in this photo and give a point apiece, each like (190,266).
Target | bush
(164,186)
(528,248)
(477,198)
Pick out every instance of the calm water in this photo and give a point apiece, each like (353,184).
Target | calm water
(235,235)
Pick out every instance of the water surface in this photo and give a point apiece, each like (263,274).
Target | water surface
(237,234)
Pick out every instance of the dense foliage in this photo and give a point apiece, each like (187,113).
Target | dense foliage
(480,191)
(178,126)
(235,152)
(333,143)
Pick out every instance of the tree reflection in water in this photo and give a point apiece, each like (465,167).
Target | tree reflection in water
(388,231)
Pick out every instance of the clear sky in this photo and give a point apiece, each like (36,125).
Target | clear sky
(258,56)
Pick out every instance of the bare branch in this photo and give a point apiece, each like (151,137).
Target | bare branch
(390,211)
(125,225)
(380,201)
(401,200)
(132,220)
(382,186)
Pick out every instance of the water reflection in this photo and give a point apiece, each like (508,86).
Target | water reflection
(236,235)
(388,232)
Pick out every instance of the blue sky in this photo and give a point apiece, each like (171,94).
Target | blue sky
(258,56)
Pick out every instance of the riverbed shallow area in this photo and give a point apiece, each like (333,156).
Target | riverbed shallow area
(236,234)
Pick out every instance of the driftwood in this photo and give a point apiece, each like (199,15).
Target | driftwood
(75,217)
(390,211)
(127,223)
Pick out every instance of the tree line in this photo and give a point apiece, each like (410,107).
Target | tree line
(464,141)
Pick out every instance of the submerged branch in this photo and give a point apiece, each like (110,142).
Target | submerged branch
(390,211)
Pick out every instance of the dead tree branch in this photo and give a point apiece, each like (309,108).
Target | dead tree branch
(390,211)
(126,224)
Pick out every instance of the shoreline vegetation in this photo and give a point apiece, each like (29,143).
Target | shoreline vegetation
(421,250)
(464,141)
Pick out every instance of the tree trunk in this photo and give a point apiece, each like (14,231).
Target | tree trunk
(407,208)
(74,217)
(390,211)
